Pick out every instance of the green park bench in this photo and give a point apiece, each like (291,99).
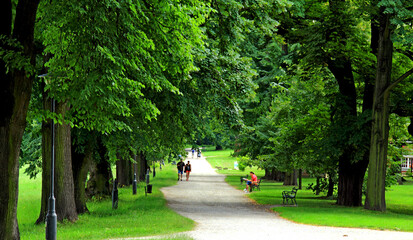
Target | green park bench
(256,187)
(290,195)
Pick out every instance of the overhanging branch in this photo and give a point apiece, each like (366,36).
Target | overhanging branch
(401,78)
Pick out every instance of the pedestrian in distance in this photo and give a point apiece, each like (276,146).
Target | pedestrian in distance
(188,169)
(193,153)
(199,153)
(180,167)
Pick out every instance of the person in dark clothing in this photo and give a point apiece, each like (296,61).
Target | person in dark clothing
(180,167)
(188,169)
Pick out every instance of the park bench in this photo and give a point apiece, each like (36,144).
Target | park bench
(256,186)
(290,195)
(242,179)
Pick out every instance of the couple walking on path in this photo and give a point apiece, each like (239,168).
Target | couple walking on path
(183,168)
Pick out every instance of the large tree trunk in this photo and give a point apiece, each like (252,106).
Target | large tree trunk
(273,174)
(124,172)
(350,181)
(290,178)
(15,91)
(64,186)
(81,164)
(99,183)
(375,196)
(269,174)
(350,175)
(142,167)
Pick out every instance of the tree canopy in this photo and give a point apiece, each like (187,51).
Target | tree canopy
(299,84)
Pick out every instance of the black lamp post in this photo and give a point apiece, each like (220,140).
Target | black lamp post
(135,183)
(51,217)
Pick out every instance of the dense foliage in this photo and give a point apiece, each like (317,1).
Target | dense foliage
(290,84)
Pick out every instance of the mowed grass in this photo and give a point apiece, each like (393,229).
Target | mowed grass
(223,159)
(137,215)
(317,210)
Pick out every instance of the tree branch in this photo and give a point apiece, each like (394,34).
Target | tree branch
(401,78)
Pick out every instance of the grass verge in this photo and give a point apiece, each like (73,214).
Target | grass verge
(136,215)
(317,210)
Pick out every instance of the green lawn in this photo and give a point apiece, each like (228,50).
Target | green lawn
(316,210)
(223,159)
(136,215)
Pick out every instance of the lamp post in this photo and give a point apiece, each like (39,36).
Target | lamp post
(51,217)
(135,183)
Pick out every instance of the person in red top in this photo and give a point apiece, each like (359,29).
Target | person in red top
(254,180)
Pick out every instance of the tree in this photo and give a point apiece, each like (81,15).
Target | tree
(330,35)
(375,196)
(16,74)
(101,68)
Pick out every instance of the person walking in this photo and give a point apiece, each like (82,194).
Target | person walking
(193,153)
(199,153)
(188,169)
(180,167)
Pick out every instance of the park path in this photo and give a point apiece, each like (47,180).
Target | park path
(222,212)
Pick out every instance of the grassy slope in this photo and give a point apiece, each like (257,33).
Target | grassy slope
(317,210)
(136,215)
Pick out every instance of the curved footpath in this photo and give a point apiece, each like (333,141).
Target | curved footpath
(223,212)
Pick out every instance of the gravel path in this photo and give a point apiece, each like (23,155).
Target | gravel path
(223,212)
